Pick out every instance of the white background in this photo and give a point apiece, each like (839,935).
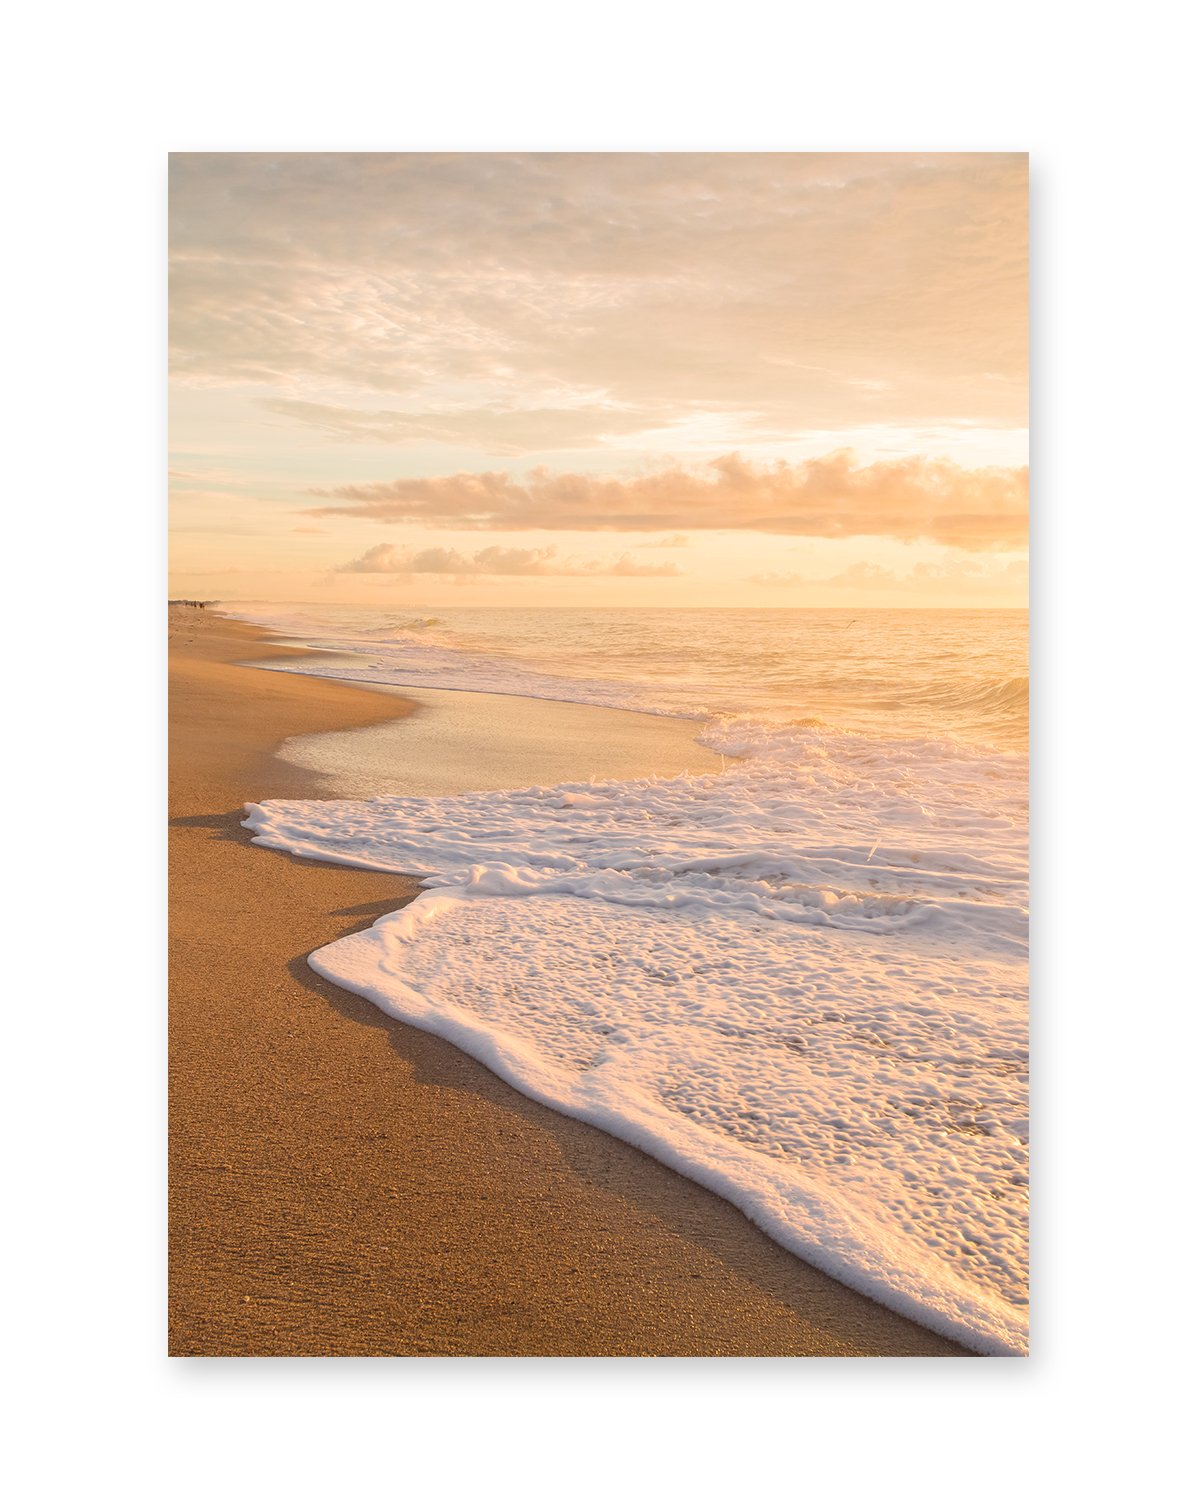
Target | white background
(95,97)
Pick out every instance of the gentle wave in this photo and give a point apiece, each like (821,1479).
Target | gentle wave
(790,981)
(940,677)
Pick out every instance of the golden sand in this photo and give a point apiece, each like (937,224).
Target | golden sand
(341,1184)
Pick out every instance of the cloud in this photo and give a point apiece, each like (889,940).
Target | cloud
(512,562)
(777,580)
(832,496)
(626,567)
(864,575)
(548,298)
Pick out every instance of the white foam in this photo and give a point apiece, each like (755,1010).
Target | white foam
(801,983)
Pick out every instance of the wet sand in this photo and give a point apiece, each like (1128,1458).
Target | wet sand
(341,1184)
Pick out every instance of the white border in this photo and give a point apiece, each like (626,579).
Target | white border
(96,98)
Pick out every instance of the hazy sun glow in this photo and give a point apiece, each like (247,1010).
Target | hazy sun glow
(599,380)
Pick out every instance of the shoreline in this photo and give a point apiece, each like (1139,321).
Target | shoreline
(343,1184)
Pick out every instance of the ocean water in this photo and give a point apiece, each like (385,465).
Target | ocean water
(800,980)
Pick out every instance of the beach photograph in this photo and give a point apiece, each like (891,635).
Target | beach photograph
(598,764)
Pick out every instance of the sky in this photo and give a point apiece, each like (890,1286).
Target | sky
(637,379)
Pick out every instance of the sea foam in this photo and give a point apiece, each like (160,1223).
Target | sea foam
(800,982)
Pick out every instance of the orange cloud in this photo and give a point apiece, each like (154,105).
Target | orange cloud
(513,562)
(908,499)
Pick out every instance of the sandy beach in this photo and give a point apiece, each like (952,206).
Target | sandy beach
(341,1184)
